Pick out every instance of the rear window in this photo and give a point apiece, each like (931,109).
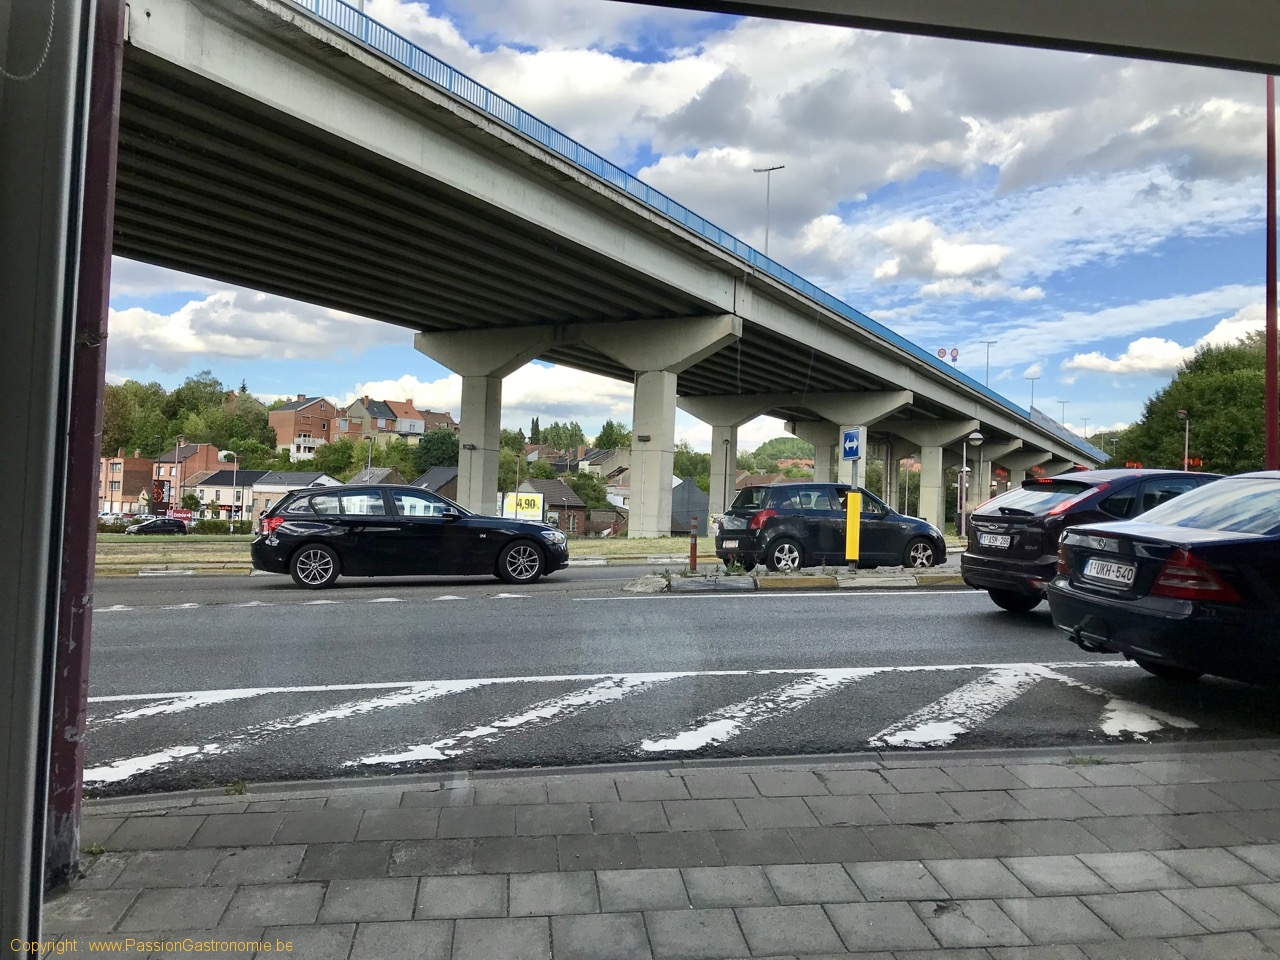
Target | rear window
(300,505)
(1036,499)
(752,498)
(1250,505)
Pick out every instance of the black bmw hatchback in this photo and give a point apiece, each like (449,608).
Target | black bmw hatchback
(317,535)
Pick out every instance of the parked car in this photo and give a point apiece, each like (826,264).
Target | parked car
(387,530)
(791,525)
(1193,587)
(1012,546)
(157,525)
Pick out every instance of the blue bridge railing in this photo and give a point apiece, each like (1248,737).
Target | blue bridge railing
(413,58)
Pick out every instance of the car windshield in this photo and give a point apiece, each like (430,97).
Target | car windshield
(1035,499)
(1245,505)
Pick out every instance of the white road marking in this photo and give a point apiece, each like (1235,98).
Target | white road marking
(183,606)
(509,596)
(124,769)
(385,600)
(960,711)
(253,603)
(118,608)
(448,597)
(777,594)
(313,603)
(180,704)
(1120,716)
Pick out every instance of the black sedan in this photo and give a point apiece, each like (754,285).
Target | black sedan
(791,525)
(1193,587)
(157,525)
(393,531)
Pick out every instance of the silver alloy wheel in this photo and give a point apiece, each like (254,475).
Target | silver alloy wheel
(786,557)
(523,561)
(920,554)
(314,566)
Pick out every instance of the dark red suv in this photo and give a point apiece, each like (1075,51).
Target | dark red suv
(1013,538)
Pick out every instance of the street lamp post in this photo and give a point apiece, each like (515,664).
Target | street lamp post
(1114,441)
(1063,418)
(975,439)
(989,344)
(724,492)
(1186,437)
(1086,420)
(768,184)
(368,463)
(1032,405)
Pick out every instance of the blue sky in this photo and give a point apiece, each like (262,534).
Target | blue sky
(1098,218)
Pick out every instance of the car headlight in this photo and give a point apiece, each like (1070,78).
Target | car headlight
(553,536)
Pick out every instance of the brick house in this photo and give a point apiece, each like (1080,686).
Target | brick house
(174,468)
(560,505)
(224,493)
(303,424)
(384,420)
(431,420)
(122,481)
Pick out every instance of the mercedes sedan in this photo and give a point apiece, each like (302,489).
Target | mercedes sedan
(317,535)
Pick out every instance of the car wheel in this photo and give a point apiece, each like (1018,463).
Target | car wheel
(520,562)
(314,566)
(1013,601)
(784,555)
(747,564)
(919,553)
(1166,672)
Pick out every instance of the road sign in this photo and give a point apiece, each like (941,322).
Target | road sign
(955,354)
(851,444)
(942,353)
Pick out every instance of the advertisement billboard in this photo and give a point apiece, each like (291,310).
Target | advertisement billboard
(522,506)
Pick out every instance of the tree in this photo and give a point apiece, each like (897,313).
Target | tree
(687,462)
(613,436)
(197,393)
(563,436)
(512,440)
(438,448)
(535,432)
(590,489)
(338,457)
(785,448)
(191,502)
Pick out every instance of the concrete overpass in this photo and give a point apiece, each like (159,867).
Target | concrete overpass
(303,149)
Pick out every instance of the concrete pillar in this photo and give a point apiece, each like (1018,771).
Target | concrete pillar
(725,414)
(724,468)
(1020,462)
(1055,467)
(823,436)
(653,442)
(932,436)
(933,488)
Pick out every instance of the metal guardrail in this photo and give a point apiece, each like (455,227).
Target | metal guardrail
(364,28)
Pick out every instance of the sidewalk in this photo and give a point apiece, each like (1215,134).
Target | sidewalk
(1098,853)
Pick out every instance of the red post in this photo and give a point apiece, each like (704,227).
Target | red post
(84,442)
(1272,389)
(693,544)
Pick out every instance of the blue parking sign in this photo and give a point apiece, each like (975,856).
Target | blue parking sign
(851,444)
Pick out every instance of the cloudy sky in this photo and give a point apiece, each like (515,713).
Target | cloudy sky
(1097,218)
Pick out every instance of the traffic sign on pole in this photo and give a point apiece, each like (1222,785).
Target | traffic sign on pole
(851,444)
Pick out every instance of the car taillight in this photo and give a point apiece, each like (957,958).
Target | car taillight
(1063,569)
(1070,502)
(1184,576)
(269,524)
(759,519)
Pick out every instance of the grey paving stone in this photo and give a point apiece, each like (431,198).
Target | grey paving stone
(947,953)
(849,782)
(812,883)
(1046,775)
(420,858)
(89,912)
(919,779)
(1248,794)
(637,816)
(1258,826)
(461,795)
(988,805)
(405,823)
(728,887)
(515,855)
(319,826)
(173,941)
(1142,915)
(702,815)
(1270,937)
(169,868)
(521,938)
(369,900)
(544,894)
(1113,774)
(976,879)
(916,808)
(1204,829)
(1123,801)
(1132,949)
(764,813)
(274,903)
(717,786)
(1266,893)
(1055,803)
(1056,876)
(1173,771)
(321,942)
(1210,867)
(359,799)
(613,851)
(511,792)
(640,890)
(346,861)
(983,779)
(833,844)
(273,864)
(977,840)
(1134,871)
(101,871)
(477,821)
(237,830)
(694,934)
(651,786)
(1219,909)
(612,936)
(1126,834)
(98,830)
(879,926)
(1186,798)
(755,847)
(1060,951)
(1264,857)
(970,923)
(852,810)
(902,842)
(451,898)
(197,908)
(285,806)
(677,850)
(1242,766)
(799,929)
(405,940)
(789,783)
(1049,920)
(596,788)
(552,819)
(895,880)
(1219,946)
(153,833)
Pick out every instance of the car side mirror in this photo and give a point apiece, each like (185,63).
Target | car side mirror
(450,514)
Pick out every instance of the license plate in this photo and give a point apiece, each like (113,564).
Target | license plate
(993,540)
(1111,571)
(729,544)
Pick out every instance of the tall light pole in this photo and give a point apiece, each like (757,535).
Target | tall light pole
(724,493)
(768,183)
(1031,406)
(1086,420)
(1114,441)
(975,439)
(1271,378)
(1062,419)
(1186,437)
(989,343)
(368,463)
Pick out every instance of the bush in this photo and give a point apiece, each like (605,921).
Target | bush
(105,527)
(209,526)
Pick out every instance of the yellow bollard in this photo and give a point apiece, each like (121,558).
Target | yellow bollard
(853,527)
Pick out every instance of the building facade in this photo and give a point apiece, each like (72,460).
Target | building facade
(303,424)
(174,468)
(124,483)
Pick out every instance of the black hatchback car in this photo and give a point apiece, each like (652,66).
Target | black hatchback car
(791,525)
(157,525)
(1013,538)
(317,535)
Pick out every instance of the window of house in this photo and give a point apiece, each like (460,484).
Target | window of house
(115,485)
(573,522)
(342,426)
(382,423)
(238,492)
(306,418)
(217,496)
(117,467)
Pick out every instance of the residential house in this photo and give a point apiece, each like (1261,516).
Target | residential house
(123,481)
(748,479)
(272,487)
(173,468)
(303,424)
(224,492)
(409,422)
(688,500)
(604,463)
(560,505)
(607,522)
(432,420)
(378,475)
(441,480)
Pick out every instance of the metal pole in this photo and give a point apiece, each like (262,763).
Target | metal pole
(1031,406)
(964,487)
(989,343)
(1063,418)
(1186,442)
(1272,390)
(768,185)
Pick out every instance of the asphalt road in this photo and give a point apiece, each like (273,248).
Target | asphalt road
(199,681)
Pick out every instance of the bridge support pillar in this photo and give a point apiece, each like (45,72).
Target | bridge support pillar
(1020,462)
(725,414)
(931,436)
(823,436)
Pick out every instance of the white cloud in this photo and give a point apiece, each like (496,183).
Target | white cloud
(920,250)
(1035,370)
(137,280)
(1162,356)
(981,290)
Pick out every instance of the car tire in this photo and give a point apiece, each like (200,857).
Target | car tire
(1013,601)
(747,563)
(1166,671)
(784,555)
(314,566)
(919,553)
(521,562)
